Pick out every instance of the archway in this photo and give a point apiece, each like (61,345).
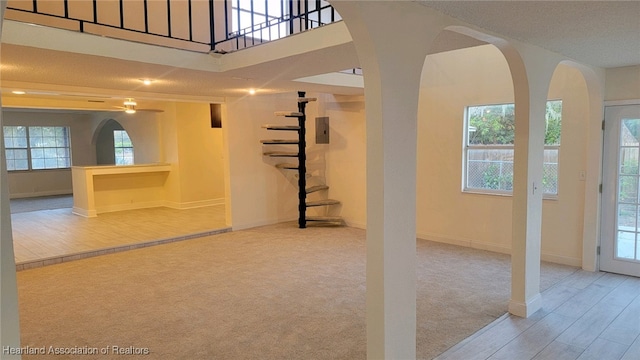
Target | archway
(113,144)
(390,104)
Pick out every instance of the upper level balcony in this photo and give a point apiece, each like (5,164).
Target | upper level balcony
(194,25)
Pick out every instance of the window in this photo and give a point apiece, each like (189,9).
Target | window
(123,147)
(489,148)
(268,19)
(260,19)
(15,143)
(37,147)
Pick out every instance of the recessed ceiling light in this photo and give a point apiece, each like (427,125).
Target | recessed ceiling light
(146,81)
(18,92)
(252,91)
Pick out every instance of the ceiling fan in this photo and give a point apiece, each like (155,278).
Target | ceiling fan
(130,107)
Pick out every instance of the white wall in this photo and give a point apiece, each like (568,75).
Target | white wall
(562,219)
(346,155)
(53,181)
(199,156)
(451,81)
(623,83)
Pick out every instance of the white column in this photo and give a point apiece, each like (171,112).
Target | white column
(392,40)
(9,320)
(531,69)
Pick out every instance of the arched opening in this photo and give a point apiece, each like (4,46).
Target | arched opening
(113,144)
(479,71)
(460,72)
(453,82)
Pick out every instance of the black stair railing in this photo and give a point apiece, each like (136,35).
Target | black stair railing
(187,20)
(302,162)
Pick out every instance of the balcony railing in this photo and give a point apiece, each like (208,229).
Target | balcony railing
(196,25)
(273,19)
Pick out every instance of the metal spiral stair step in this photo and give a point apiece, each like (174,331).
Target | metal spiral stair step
(281,127)
(280,142)
(312,189)
(287,166)
(289,114)
(306,99)
(280,154)
(325,202)
(325,218)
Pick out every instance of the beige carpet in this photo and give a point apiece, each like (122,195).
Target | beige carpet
(275,292)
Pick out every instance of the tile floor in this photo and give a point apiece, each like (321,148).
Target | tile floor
(586,316)
(53,236)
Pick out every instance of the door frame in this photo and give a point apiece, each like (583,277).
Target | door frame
(610,185)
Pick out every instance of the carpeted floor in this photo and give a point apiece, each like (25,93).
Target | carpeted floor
(275,292)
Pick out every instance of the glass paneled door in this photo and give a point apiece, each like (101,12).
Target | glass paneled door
(620,230)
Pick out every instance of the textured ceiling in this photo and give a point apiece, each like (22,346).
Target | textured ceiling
(600,33)
(23,64)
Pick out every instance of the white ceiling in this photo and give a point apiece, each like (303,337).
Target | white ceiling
(599,33)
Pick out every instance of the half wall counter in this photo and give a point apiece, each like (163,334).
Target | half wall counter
(107,188)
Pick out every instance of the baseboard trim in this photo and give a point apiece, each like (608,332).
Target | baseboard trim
(194,204)
(131,206)
(236,227)
(84,212)
(526,309)
(40,194)
(552,258)
(465,242)
(562,260)
(355,224)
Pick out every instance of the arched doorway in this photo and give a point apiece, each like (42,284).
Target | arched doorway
(113,144)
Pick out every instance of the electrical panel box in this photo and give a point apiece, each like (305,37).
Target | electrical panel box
(322,130)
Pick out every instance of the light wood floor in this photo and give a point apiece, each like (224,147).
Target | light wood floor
(52,236)
(586,316)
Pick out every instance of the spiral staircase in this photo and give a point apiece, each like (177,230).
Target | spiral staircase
(299,153)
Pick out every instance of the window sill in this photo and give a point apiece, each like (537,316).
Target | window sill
(500,194)
(37,170)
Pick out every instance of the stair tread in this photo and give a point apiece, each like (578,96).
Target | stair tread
(280,141)
(280,154)
(315,188)
(322,202)
(281,127)
(306,99)
(324,218)
(288,113)
(287,166)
